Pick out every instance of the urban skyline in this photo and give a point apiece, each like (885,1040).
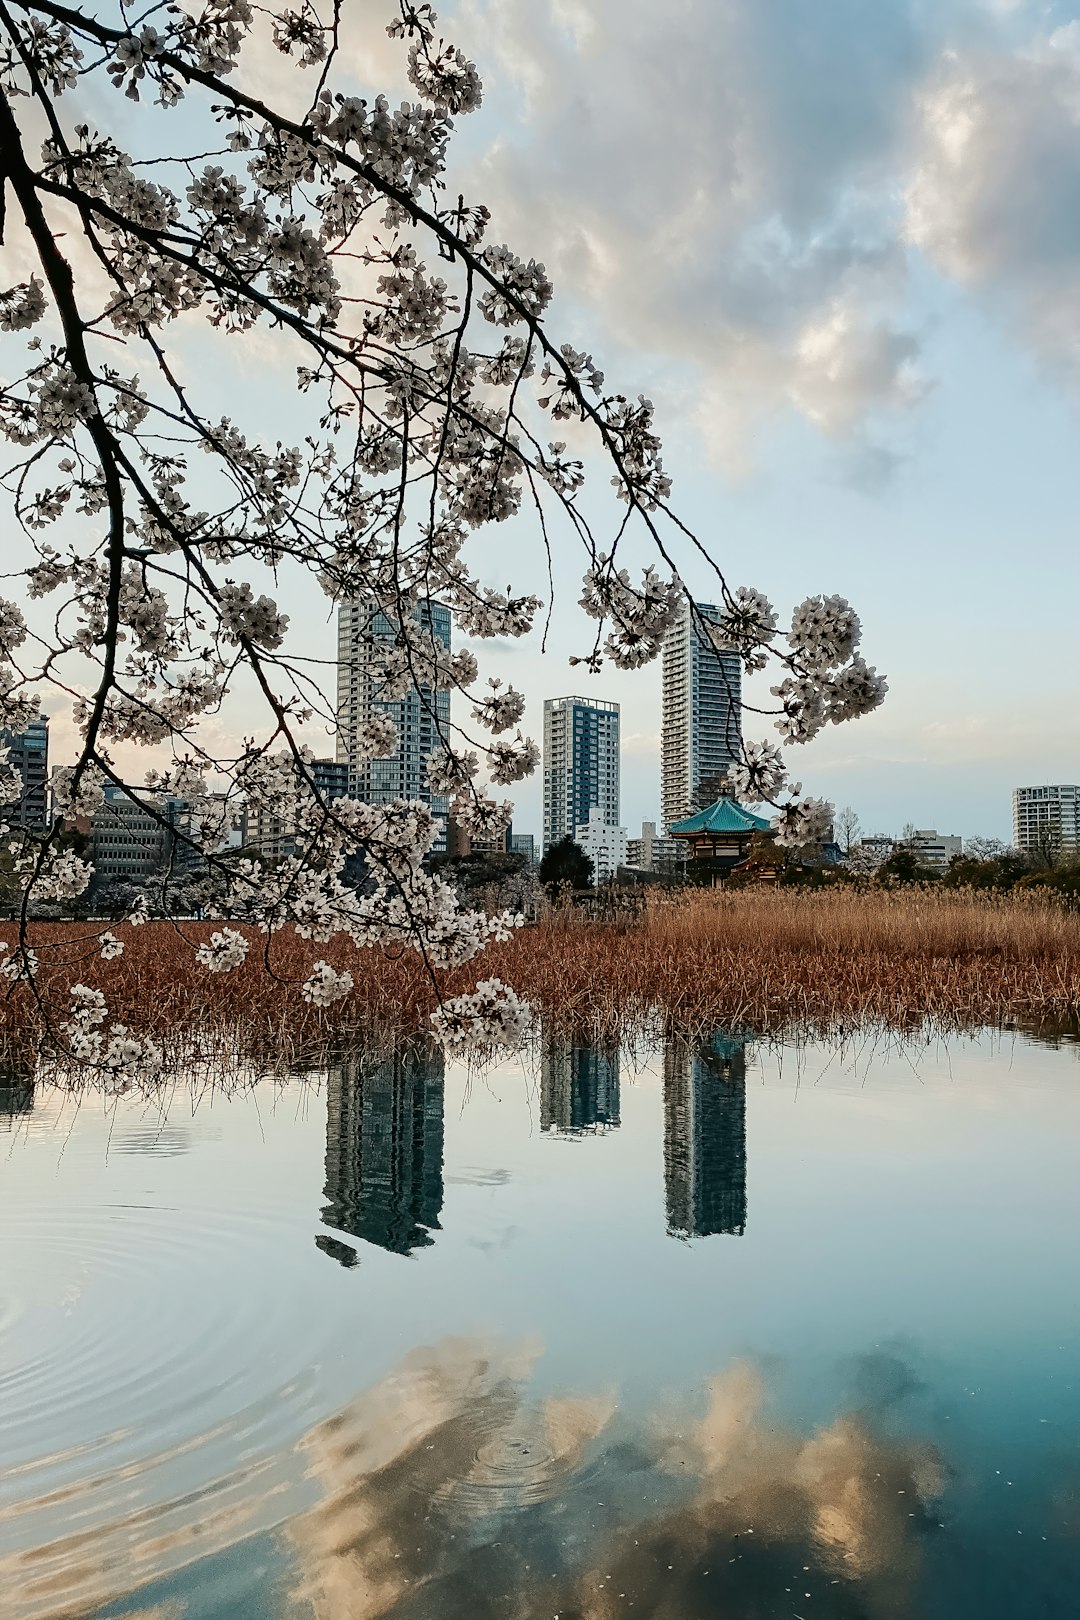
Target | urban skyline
(126,843)
(581,772)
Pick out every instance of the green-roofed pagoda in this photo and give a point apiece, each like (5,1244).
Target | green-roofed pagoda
(718,838)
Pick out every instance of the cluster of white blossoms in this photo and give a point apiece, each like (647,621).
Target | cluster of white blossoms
(324,985)
(803,821)
(246,617)
(760,774)
(746,624)
(56,874)
(491,1016)
(451,773)
(500,709)
(640,614)
(513,760)
(829,681)
(22,306)
(156,525)
(226,949)
(118,1055)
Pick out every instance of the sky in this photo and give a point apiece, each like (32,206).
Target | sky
(838,244)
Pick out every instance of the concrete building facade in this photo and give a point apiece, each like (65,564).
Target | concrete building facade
(581,765)
(936,849)
(126,841)
(701,733)
(605,846)
(651,853)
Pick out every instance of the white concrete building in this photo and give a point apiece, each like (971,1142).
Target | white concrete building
(581,765)
(1047,819)
(936,849)
(604,844)
(651,853)
(127,841)
(702,715)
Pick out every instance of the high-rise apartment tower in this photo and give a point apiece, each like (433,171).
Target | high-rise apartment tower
(702,715)
(581,765)
(422,716)
(1046,820)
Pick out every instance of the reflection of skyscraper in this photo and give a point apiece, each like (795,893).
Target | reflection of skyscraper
(384,1151)
(16,1097)
(705,1137)
(579,1087)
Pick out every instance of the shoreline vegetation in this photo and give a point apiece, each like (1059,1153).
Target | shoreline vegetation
(775,963)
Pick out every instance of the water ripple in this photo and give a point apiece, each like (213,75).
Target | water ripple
(150,1406)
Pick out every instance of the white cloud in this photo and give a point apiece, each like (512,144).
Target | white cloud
(741,187)
(715,180)
(994,201)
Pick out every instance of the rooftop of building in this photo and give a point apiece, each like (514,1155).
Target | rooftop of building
(586,703)
(725,816)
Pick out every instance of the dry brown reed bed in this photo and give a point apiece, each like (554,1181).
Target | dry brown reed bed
(824,962)
(774,962)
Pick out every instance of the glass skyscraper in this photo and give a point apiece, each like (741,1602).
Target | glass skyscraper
(422,716)
(702,712)
(581,765)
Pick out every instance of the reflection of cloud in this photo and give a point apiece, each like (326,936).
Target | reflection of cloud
(841,1506)
(449,1489)
(388,1468)
(696,1515)
(161,1611)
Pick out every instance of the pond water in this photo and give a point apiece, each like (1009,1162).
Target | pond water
(718,1332)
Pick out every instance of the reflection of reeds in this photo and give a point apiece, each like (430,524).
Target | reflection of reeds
(770,960)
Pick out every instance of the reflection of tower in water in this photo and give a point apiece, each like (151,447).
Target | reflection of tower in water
(705,1137)
(384,1152)
(16,1097)
(579,1087)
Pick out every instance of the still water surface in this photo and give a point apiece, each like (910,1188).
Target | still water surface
(720,1332)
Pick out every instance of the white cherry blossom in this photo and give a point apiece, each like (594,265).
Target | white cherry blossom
(160,525)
